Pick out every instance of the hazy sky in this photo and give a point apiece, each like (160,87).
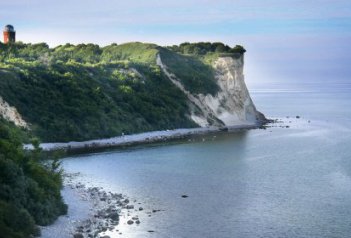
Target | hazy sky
(284,38)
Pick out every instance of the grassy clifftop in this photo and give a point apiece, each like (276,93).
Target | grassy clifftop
(80,92)
(134,51)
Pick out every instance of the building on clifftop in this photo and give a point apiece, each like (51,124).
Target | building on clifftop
(9,34)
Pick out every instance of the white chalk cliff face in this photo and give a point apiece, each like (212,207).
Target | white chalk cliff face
(232,106)
(11,114)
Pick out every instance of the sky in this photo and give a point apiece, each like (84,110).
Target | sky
(285,39)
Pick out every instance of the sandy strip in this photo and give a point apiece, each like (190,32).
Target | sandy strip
(136,139)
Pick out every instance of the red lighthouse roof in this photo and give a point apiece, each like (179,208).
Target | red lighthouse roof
(9,34)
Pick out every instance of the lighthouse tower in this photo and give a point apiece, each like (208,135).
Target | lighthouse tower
(9,34)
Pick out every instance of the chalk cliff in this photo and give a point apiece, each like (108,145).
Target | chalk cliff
(11,114)
(231,106)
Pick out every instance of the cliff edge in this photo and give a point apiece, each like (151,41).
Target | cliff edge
(231,105)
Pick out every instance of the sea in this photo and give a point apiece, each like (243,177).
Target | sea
(291,179)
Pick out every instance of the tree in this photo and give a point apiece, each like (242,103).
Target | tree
(238,49)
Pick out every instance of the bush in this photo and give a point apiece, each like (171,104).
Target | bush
(29,192)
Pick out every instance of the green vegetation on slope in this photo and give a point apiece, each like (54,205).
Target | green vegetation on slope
(196,76)
(29,192)
(134,51)
(192,63)
(67,98)
(81,92)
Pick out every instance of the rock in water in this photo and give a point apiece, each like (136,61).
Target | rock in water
(130,222)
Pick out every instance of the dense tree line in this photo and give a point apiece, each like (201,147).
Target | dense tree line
(29,190)
(202,48)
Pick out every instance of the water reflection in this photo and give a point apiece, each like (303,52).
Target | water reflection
(279,182)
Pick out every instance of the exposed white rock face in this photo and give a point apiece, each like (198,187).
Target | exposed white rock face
(204,115)
(231,106)
(11,114)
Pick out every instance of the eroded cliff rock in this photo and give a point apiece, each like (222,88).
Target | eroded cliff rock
(231,106)
(11,114)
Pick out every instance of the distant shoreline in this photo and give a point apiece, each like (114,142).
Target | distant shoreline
(137,139)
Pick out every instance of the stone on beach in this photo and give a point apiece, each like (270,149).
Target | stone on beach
(130,206)
(114,216)
(130,222)
(106,209)
(78,235)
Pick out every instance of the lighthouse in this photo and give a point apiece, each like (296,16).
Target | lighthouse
(9,34)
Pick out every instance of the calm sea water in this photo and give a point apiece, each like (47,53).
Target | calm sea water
(279,182)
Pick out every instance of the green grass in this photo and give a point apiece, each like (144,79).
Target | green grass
(134,52)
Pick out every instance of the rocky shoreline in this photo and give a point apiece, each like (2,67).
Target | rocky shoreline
(105,210)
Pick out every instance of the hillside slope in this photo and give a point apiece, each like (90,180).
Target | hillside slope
(87,92)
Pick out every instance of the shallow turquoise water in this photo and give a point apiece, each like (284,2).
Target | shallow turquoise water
(279,182)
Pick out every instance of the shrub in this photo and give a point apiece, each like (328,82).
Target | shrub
(29,192)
